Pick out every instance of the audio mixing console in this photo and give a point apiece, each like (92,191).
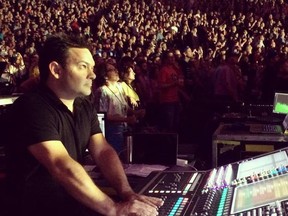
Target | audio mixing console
(251,187)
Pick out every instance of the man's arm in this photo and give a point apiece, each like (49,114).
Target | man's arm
(109,163)
(72,176)
(111,167)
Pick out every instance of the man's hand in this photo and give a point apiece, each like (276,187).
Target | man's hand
(152,201)
(137,205)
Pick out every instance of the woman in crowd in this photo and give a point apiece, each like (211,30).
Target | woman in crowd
(127,76)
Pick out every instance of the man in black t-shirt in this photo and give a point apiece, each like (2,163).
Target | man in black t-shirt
(51,128)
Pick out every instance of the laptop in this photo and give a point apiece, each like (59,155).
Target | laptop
(280,107)
(270,128)
(102,118)
(280,104)
(155,148)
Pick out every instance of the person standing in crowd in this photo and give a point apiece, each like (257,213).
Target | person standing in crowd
(229,83)
(170,80)
(31,83)
(52,127)
(275,78)
(186,66)
(146,85)
(110,98)
(281,80)
(269,75)
(127,76)
(15,69)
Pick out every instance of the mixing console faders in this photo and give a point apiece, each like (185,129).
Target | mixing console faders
(252,187)
(177,189)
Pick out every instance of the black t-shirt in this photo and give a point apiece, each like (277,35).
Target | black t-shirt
(33,118)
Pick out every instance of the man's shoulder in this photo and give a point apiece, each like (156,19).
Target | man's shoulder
(37,97)
(85,101)
(34,103)
(25,98)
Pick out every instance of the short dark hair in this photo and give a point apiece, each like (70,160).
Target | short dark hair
(124,64)
(101,73)
(55,48)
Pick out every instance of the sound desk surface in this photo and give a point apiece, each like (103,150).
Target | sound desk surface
(7,100)
(255,186)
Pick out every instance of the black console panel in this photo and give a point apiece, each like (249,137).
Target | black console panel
(254,186)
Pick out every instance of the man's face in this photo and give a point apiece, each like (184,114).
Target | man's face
(79,73)
(177,54)
(171,58)
(189,53)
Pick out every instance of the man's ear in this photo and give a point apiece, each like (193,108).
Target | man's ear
(55,69)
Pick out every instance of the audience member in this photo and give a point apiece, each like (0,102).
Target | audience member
(110,98)
(127,76)
(148,88)
(229,83)
(171,81)
(186,66)
(275,78)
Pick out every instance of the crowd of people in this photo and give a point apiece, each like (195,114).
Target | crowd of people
(164,63)
(184,53)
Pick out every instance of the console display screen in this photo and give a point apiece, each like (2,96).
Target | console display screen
(268,182)
(260,193)
(280,104)
(264,163)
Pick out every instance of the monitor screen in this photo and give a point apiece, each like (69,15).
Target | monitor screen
(266,162)
(155,148)
(101,119)
(280,105)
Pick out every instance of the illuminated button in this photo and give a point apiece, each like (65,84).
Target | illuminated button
(193,178)
(172,213)
(283,169)
(274,172)
(249,179)
(259,211)
(187,187)
(265,174)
